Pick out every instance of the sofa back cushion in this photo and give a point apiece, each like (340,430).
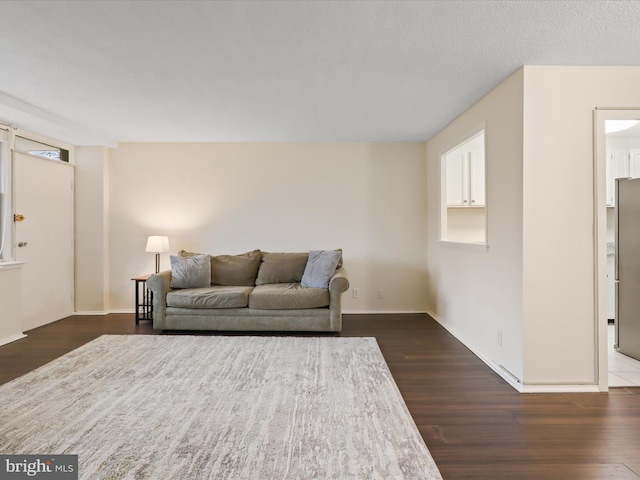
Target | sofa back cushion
(281,267)
(232,270)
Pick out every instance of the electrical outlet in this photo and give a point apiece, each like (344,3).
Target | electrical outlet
(380,293)
(499,338)
(356,293)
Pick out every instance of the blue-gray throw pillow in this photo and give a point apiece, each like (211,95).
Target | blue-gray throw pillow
(321,265)
(190,272)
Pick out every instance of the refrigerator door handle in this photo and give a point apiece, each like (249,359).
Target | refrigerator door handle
(616,319)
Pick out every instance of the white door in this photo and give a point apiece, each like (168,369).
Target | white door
(43,192)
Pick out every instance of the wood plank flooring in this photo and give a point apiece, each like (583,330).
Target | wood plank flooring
(475,425)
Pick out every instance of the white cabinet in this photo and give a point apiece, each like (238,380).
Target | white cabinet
(476,179)
(617,167)
(457,179)
(634,163)
(465,180)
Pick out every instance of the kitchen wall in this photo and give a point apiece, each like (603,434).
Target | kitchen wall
(561,329)
(476,292)
(228,198)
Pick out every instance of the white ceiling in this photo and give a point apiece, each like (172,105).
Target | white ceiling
(102,72)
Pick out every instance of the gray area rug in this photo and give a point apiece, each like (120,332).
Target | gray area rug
(209,407)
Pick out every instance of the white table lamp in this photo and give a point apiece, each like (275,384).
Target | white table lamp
(158,244)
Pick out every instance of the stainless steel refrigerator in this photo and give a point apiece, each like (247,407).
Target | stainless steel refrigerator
(627,266)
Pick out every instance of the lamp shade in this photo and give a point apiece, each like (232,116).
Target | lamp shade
(158,244)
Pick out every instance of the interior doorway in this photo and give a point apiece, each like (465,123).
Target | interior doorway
(617,155)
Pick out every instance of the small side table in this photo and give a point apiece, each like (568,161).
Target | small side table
(144,299)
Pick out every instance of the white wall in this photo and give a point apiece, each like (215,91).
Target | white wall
(558,304)
(91,235)
(11,301)
(227,198)
(477,293)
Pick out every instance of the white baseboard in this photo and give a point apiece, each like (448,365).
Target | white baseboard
(12,338)
(511,379)
(103,312)
(381,312)
(560,388)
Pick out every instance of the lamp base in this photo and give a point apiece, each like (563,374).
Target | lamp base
(157,262)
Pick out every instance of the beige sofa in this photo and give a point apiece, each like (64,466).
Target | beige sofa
(254,291)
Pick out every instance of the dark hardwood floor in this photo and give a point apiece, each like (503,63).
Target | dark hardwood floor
(475,425)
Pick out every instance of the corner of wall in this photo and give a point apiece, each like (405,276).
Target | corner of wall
(91,242)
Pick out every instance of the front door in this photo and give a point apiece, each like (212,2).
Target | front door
(43,190)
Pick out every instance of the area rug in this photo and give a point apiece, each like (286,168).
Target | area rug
(218,407)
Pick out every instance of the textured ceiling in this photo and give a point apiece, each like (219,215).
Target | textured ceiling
(94,72)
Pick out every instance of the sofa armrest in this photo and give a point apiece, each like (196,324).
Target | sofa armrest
(337,285)
(160,285)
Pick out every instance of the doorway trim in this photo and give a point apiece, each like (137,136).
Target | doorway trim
(601,114)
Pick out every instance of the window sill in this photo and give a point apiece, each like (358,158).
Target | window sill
(482,247)
(10,264)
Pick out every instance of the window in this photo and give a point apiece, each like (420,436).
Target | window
(41,149)
(463,205)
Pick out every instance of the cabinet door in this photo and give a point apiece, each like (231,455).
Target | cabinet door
(477,180)
(617,167)
(457,180)
(634,164)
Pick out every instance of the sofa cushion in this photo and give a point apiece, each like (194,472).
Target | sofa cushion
(283,296)
(232,269)
(321,265)
(190,272)
(281,268)
(210,297)
(235,269)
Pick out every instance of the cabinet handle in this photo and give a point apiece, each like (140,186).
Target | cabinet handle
(473,201)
